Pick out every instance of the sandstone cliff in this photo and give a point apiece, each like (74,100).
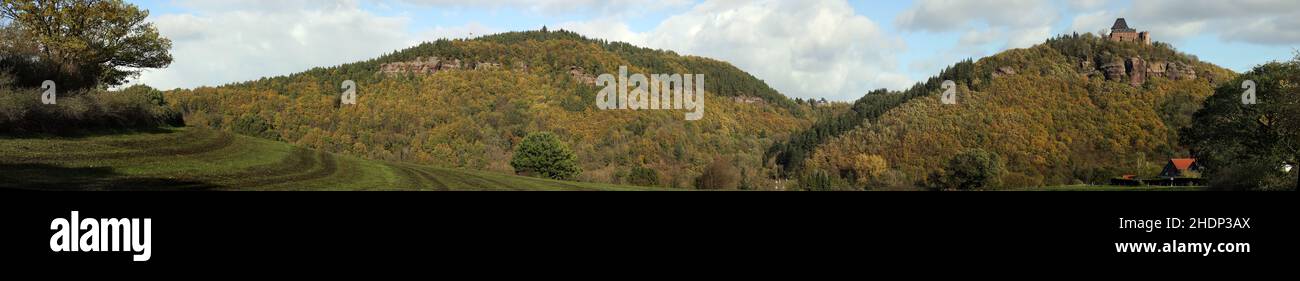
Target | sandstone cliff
(1136,71)
(433,65)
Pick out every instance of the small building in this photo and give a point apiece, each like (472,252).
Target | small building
(1126,180)
(1181,168)
(1120,32)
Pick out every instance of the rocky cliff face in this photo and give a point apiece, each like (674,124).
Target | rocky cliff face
(433,65)
(1175,71)
(1136,70)
(420,65)
(579,74)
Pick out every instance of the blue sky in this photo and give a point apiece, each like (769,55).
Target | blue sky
(834,49)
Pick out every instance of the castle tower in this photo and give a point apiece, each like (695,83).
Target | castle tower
(1121,26)
(1121,32)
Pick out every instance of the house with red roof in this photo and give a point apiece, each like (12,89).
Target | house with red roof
(1180,168)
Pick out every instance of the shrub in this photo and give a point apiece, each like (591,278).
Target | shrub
(543,155)
(21,111)
(718,175)
(973,169)
(643,176)
(254,125)
(15,105)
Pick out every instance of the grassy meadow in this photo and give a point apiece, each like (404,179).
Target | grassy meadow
(204,159)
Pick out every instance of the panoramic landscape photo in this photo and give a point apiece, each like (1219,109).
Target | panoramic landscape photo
(762,95)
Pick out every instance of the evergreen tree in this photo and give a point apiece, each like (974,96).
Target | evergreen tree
(543,155)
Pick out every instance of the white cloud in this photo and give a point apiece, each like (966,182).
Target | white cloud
(468,30)
(224,42)
(556,7)
(1268,31)
(1095,22)
(1264,22)
(609,28)
(1029,37)
(977,37)
(1087,5)
(1000,23)
(224,45)
(803,49)
(952,15)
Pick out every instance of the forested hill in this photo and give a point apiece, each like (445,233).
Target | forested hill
(1076,109)
(553,53)
(468,103)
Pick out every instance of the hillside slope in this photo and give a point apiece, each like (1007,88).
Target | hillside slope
(203,159)
(467,103)
(1077,109)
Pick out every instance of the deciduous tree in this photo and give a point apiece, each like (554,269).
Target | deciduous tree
(1243,146)
(87,43)
(719,175)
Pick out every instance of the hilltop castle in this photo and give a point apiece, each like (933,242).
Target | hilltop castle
(1120,32)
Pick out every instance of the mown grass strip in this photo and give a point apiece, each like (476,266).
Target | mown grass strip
(202,159)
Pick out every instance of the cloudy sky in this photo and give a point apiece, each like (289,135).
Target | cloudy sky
(834,49)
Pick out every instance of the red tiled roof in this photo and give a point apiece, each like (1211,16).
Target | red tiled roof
(1183,164)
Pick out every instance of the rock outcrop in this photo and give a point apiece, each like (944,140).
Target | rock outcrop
(1136,71)
(433,65)
(1176,71)
(581,75)
(1115,70)
(1088,69)
(420,65)
(487,66)
(747,99)
(1004,71)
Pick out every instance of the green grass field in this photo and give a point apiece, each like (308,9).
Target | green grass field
(1113,188)
(202,159)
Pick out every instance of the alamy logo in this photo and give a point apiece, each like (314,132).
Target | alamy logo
(101,235)
(50,95)
(658,91)
(349,96)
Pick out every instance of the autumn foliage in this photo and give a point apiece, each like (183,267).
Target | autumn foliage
(476,119)
(1049,123)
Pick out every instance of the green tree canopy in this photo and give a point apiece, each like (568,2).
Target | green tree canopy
(1243,146)
(543,155)
(79,43)
(972,169)
(643,176)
